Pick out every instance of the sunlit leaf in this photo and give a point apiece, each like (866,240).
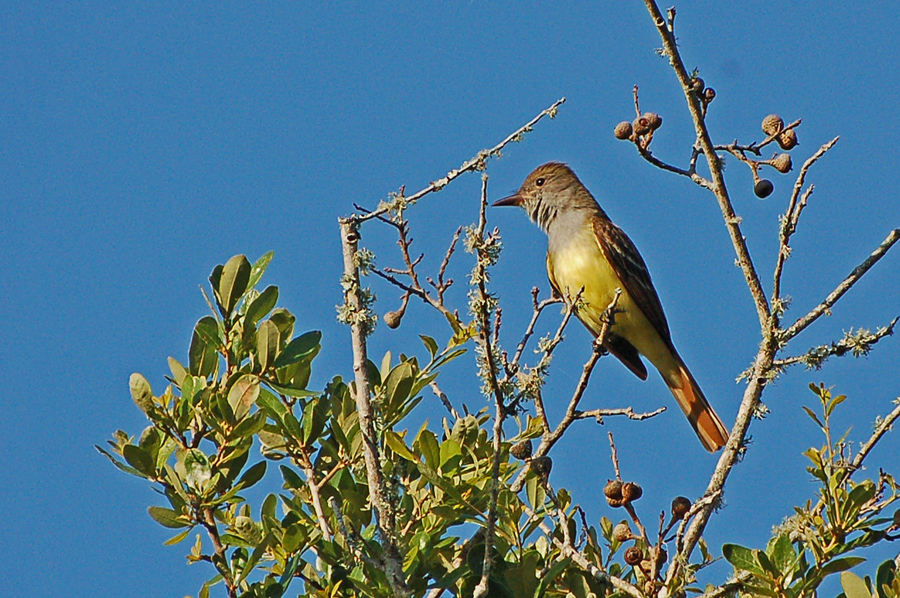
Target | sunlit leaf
(243,394)
(742,558)
(298,348)
(166,517)
(854,586)
(233,282)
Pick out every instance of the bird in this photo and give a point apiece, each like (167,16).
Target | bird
(588,254)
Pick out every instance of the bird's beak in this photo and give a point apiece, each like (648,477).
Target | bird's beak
(513,200)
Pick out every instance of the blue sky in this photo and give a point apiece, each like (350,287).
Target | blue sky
(140,146)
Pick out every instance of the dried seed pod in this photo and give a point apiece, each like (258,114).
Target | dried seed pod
(653,119)
(542,466)
(631,491)
(633,556)
(623,130)
(782,163)
(787,139)
(709,94)
(392,318)
(697,85)
(622,532)
(641,125)
(680,506)
(615,502)
(613,489)
(763,188)
(521,450)
(772,124)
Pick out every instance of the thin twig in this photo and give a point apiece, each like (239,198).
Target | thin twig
(579,559)
(475,163)
(444,400)
(792,216)
(484,331)
(704,142)
(842,288)
(629,412)
(548,439)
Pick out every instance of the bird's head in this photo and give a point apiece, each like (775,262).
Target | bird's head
(549,189)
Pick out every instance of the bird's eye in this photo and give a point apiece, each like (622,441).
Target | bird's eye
(539,182)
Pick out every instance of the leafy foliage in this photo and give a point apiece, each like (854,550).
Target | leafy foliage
(816,541)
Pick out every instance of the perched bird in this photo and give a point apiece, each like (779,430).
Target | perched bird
(586,250)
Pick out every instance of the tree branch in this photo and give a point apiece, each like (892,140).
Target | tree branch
(845,285)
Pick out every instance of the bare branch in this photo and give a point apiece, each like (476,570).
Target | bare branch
(842,288)
(704,142)
(792,215)
(629,412)
(475,163)
(379,492)
(856,343)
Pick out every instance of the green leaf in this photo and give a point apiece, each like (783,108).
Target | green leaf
(233,283)
(267,340)
(178,371)
(270,404)
(854,587)
(141,393)
(259,268)
(430,344)
(426,443)
(255,556)
(782,554)
(451,454)
(885,575)
(176,539)
(294,537)
(397,445)
(550,576)
(260,306)
(166,517)
(291,479)
(119,465)
(834,403)
(243,394)
(252,475)
(399,382)
(314,419)
(298,348)
(139,459)
(290,391)
(842,564)
(196,468)
(813,415)
(742,558)
(250,425)
(202,356)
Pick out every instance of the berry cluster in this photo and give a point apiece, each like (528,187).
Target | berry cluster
(786,138)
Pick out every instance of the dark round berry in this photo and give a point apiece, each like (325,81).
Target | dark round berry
(633,556)
(542,466)
(680,506)
(763,188)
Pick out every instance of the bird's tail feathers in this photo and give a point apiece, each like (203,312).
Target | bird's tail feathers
(709,428)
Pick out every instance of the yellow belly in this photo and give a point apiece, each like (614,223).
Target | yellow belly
(580,264)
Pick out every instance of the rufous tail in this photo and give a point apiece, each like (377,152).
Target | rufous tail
(709,428)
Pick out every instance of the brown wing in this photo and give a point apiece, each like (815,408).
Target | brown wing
(629,266)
